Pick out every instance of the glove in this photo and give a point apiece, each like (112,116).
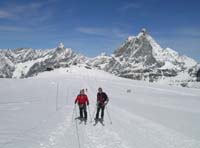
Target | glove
(87,104)
(105,103)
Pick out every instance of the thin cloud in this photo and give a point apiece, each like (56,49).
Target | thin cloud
(12,28)
(106,32)
(119,33)
(93,31)
(16,11)
(5,14)
(13,11)
(27,8)
(29,15)
(189,31)
(130,6)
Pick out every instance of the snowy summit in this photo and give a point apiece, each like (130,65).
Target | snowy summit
(61,45)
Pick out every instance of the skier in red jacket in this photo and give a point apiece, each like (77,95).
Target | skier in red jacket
(82,100)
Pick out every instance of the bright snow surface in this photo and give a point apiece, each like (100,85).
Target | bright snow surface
(150,116)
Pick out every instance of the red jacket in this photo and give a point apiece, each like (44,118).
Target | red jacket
(82,99)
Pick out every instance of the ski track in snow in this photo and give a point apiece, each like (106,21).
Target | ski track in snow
(90,136)
(150,134)
(61,135)
(102,137)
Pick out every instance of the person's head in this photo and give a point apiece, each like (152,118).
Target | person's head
(82,92)
(100,90)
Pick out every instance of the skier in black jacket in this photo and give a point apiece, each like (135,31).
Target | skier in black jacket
(102,101)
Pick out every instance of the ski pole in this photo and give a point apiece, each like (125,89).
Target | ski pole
(73,111)
(93,115)
(57,96)
(77,132)
(89,113)
(108,115)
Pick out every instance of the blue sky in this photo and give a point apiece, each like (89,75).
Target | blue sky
(94,26)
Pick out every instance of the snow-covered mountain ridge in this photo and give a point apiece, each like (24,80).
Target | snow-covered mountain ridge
(21,63)
(139,57)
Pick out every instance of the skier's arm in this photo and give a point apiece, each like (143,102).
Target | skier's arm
(107,99)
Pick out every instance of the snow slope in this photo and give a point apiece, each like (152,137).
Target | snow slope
(150,116)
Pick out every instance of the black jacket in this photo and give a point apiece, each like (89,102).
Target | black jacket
(102,98)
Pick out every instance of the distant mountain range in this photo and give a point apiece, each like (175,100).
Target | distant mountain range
(139,57)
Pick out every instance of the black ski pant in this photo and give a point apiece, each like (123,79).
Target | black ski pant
(83,110)
(100,108)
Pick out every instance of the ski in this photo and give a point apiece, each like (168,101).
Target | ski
(81,120)
(85,122)
(100,121)
(95,123)
(78,118)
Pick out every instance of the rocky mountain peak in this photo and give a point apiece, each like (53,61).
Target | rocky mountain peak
(137,49)
(142,58)
(61,45)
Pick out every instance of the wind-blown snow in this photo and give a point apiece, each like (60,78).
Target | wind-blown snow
(150,116)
